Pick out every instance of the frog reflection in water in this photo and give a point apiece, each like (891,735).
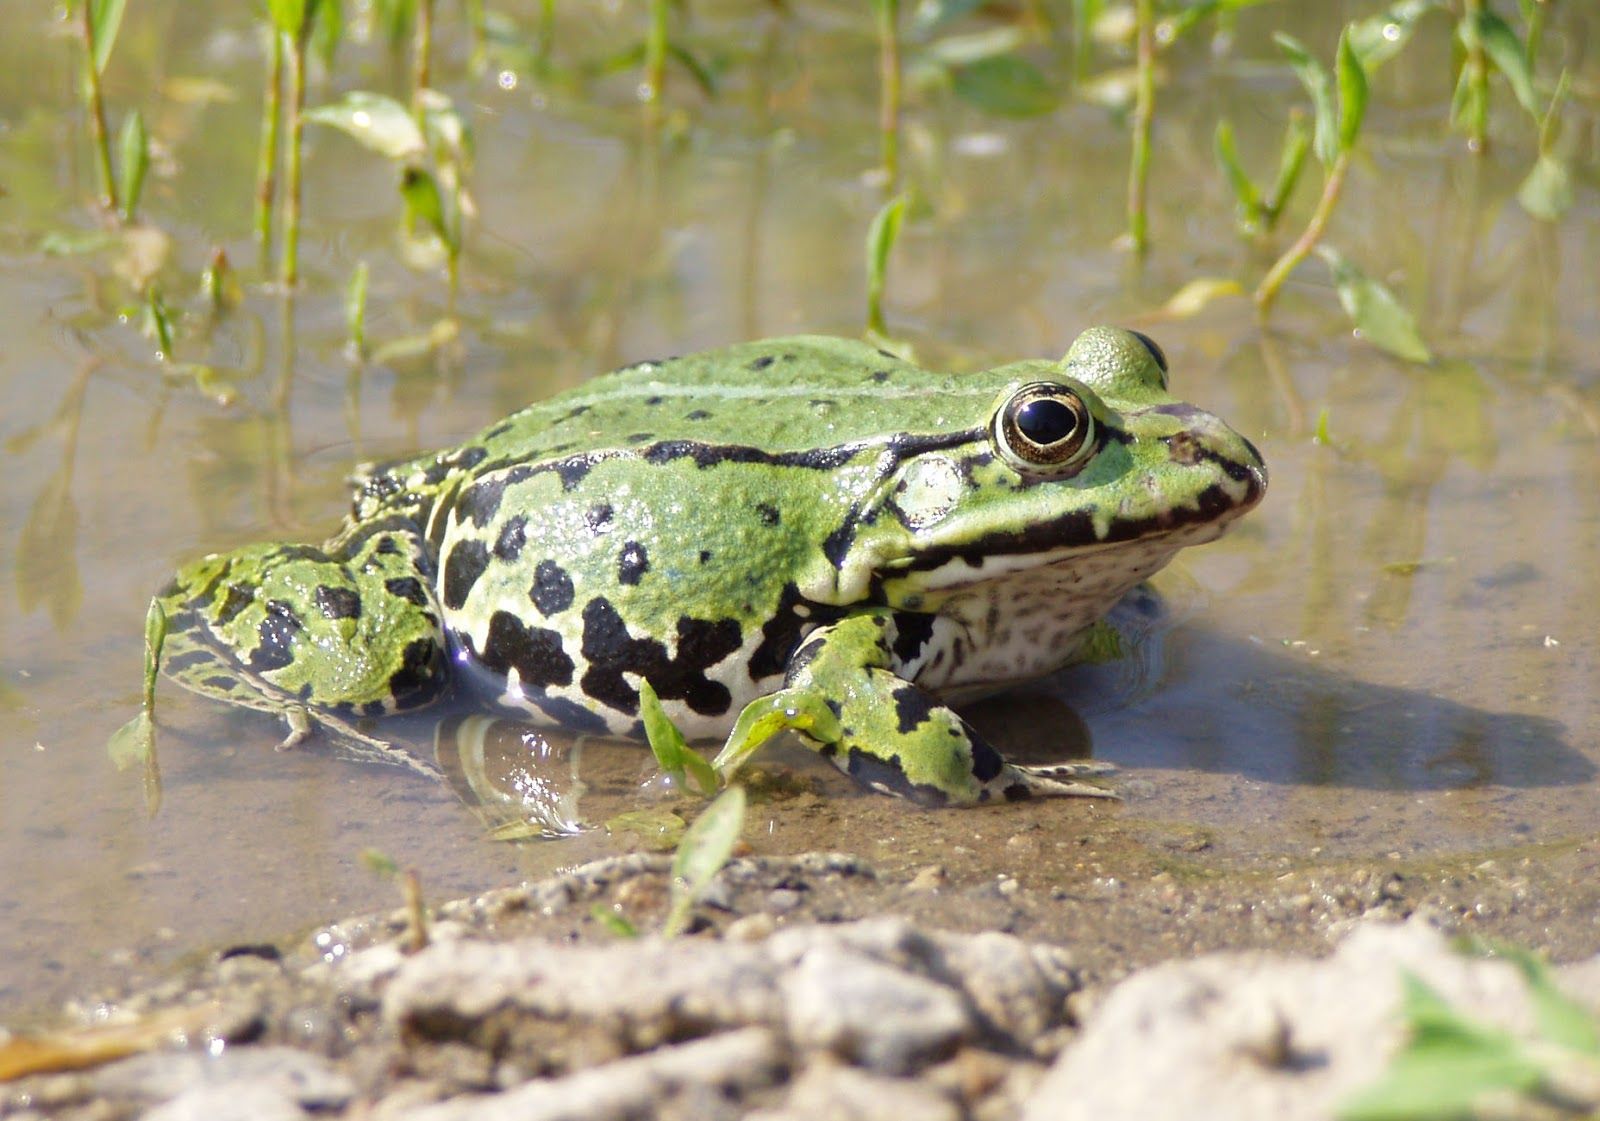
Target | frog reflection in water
(802,532)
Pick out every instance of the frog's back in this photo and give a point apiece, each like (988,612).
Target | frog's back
(778,395)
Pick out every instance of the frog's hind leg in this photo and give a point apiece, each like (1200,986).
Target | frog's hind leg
(319,636)
(843,697)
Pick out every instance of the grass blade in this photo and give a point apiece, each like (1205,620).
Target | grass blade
(706,847)
(1314,77)
(1352,92)
(881,236)
(134,149)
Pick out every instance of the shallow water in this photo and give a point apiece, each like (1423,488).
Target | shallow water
(1396,654)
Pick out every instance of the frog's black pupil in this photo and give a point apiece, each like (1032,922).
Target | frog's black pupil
(1046,420)
(1155,351)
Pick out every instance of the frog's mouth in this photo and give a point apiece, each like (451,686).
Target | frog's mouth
(1081,533)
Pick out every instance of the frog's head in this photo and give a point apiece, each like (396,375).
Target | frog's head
(1087,466)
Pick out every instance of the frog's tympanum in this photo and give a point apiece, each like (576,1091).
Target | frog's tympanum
(804,533)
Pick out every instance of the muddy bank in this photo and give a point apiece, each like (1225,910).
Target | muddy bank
(815,985)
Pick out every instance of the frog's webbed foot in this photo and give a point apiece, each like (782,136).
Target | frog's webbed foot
(1056,780)
(301,725)
(844,699)
(349,742)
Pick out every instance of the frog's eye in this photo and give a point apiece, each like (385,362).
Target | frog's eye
(1155,352)
(1044,428)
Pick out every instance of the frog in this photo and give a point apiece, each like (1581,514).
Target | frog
(806,533)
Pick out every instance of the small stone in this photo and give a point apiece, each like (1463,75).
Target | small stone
(751,928)
(871,1013)
(783,899)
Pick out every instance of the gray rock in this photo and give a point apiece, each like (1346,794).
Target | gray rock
(841,1093)
(877,993)
(671,991)
(1238,1037)
(871,1013)
(295,1077)
(736,1062)
(248,1101)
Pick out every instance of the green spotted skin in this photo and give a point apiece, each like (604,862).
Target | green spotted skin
(802,532)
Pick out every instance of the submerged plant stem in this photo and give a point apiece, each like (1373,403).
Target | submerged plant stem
(422,65)
(1267,291)
(655,53)
(1144,99)
(295,122)
(99,134)
(1477,65)
(267,157)
(889,90)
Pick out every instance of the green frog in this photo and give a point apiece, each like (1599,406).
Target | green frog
(805,533)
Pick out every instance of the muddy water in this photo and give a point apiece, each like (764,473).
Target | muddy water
(1395,657)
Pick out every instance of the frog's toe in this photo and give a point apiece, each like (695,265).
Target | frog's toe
(1054,780)
(300,728)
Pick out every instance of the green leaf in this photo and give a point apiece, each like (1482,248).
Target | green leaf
(881,236)
(155,637)
(1509,56)
(1007,86)
(964,50)
(377,122)
(1381,318)
(105,16)
(446,128)
(697,70)
(1561,1020)
(673,754)
(1192,298)
(658,830)
(1380,37)
(327,32)
(931,15)
(1322,435)
(1546,191)
(1469,107)
(1352,92)
(355,308)
(1447,1069)
(614,922)
(71,243)
(134,148)
(290,16)
(1319,85)
(158,321)
(132,743)
(1291,161)
(379,863)
(706,847)
(1245,194)
(424,204)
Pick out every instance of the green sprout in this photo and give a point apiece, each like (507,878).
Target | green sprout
(881,236)
(98,26)
(1455,1067)
(705,848)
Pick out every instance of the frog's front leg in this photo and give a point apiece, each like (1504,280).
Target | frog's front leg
(843,696)
(315,635)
